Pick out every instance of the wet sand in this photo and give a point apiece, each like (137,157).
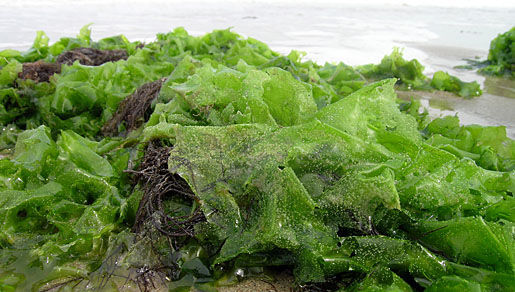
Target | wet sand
(282,282)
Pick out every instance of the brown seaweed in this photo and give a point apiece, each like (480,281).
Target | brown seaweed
(91,56)
(158,185)
(39,71)
(133,108)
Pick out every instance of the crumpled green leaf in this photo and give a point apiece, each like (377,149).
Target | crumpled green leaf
(489,147)
(301,188)
(394,65)
(443,81)
(225,96)
(470,241)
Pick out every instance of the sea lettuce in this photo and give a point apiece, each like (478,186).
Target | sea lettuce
(394,65)
(489,147)
(290,164)
(443,81)
(57,203)
(501,56)
(225,96)
(82,98)
(411,76)
(309,182)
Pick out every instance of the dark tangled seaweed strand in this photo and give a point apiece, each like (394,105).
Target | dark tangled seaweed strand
(134,109)
(159,185)
(41,71)
(91,56)
(153,225)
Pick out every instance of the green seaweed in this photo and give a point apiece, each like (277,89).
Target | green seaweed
(291,165)
(501,56)
(443,81)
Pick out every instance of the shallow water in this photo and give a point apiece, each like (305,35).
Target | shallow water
(440,37)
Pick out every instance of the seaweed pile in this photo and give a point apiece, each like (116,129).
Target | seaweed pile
(501,56)
(189,163)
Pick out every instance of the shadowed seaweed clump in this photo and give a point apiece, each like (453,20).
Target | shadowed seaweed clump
(134,109)
(91,56)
